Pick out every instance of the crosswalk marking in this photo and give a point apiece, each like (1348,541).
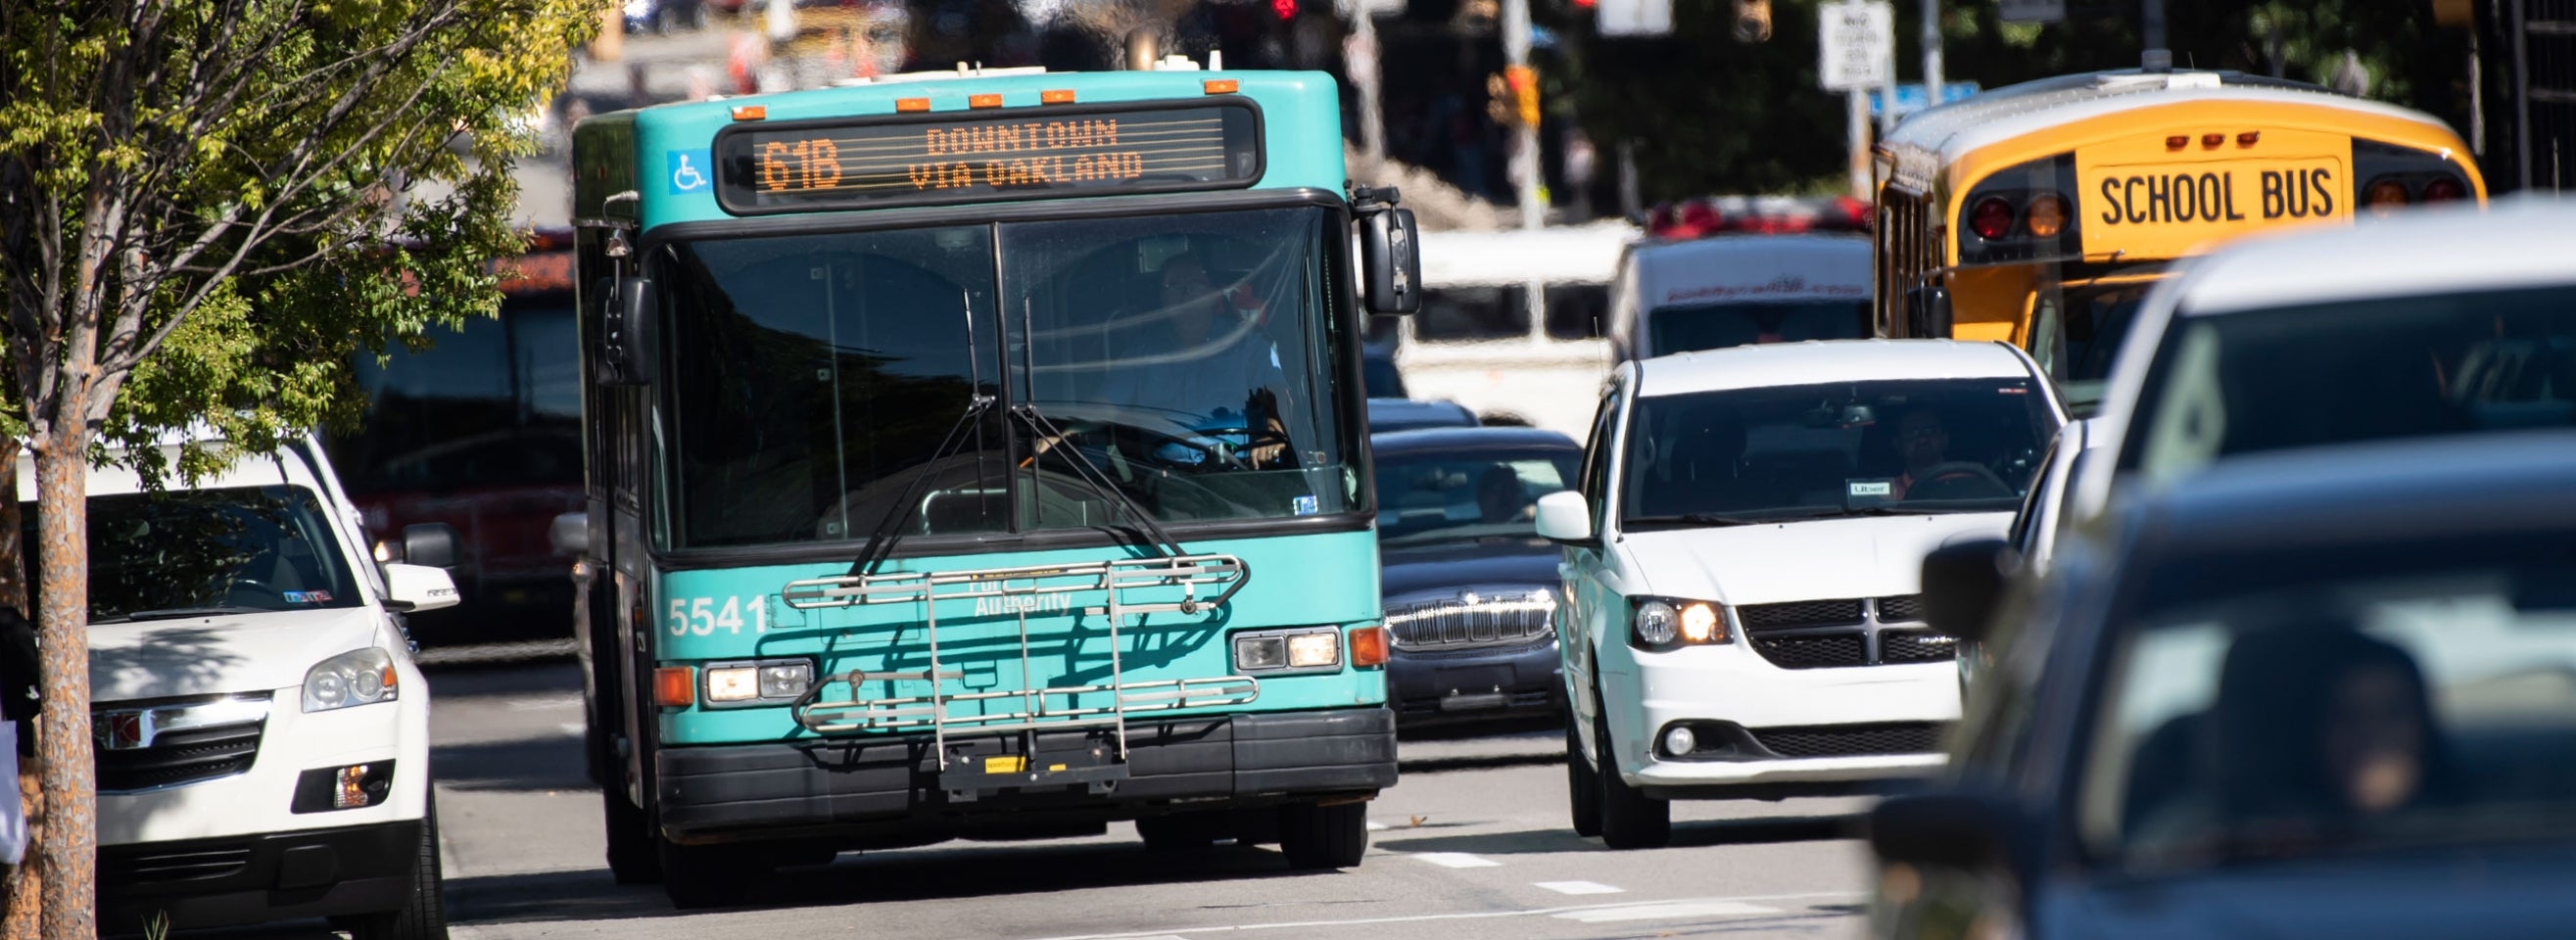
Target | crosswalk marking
(1666,911)
(1578,887)
(1456,860)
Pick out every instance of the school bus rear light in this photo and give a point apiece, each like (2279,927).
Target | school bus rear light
(911,105)
(984,101)
(1220,86)
(1057,96)
(2046,216)
(675,686)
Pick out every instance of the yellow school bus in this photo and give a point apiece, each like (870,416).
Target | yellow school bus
(2041,213)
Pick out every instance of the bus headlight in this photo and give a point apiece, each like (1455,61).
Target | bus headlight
(757,682)
(1300,649)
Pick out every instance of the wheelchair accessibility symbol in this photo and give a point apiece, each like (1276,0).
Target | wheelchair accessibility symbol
(689,171)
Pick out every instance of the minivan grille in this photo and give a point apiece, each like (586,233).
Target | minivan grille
(1916,737)
(1464,622)
(1799,614)
(1842,633)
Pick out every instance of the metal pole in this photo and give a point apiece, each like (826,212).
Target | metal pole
(1931,53)
(2521,94)
(1858,130)
(1516,44)
(1372,119)
(2156,57)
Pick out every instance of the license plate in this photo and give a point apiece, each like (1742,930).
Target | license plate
(2170,210)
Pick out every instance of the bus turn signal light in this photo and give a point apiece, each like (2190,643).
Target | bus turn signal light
(2385,195)
(2047,216)
(1991,219)
(675,686)
(1368,646)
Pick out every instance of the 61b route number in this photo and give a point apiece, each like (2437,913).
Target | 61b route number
(702,615)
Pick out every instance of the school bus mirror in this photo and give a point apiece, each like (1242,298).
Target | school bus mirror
(625,334)
(1391,267)
(1927,311)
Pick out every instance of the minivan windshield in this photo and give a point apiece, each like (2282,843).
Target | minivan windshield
(185,553)
(1844,448)
(2265,704)
(2316,374)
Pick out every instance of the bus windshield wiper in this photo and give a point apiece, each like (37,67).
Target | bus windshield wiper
(1040,428)
(890,529)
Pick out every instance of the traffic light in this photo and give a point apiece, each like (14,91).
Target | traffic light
(1752,20)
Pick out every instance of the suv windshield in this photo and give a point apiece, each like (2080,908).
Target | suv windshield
(1717,326)
(2278,703)
(197,552)
(1438,497)
(1185,357)
(1856,448)
(2304,376)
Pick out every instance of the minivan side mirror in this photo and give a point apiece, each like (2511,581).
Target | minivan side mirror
(1927,312)
(1390,262)
(625,333)
(429,544)
(1565,517)
(415,588)
(1962,584)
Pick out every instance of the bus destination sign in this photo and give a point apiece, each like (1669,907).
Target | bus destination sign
(950,158)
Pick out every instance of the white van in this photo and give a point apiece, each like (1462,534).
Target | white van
(1739,271)
(262,733)
(1511,323)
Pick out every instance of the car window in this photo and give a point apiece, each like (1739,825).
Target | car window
(1595,480)
(1465,495)
(1845,448)
(2321,374)
(1715,326)
(2397,695)
(1472,313)
(215,550)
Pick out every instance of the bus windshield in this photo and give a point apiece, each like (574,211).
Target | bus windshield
(1182,359)
(1716,326)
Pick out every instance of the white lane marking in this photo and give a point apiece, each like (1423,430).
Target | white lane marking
(572,729)
(1456,860)
(1667,911)
(1418,918)
(1376,826)
(1578,887)
(544,702)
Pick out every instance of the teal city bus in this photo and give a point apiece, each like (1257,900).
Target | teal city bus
(980,455)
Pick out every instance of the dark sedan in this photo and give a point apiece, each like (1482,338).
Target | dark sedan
(2328,693)
(1470,588)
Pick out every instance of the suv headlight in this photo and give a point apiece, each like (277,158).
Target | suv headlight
(357,677)
(1663,623)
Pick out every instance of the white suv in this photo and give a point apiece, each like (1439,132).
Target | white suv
(262,734)
(1742,566)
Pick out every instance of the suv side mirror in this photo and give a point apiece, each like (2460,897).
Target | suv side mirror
(625,334)
(1927,311)
(415,588)
(1962,583)
(1565,517)
(1390,264)
(429,545)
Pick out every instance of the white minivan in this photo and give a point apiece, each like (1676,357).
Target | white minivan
(1742,558)
(262,734)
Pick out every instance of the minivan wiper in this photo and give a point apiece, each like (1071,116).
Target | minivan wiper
(182,613)
(1696,518)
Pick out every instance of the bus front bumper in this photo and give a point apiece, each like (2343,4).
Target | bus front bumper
(886,784)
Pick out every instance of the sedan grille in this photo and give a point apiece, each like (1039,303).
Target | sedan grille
(1472,621)
(1921,737)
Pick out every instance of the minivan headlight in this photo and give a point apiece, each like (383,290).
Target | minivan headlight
(1663,623)
(357,677)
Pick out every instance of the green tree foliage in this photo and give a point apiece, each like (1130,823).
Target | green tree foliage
(196,199)
(1709,114)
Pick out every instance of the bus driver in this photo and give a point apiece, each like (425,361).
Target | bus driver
(1211,369)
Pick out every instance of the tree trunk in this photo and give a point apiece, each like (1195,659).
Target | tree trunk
(69,861)
(20,910)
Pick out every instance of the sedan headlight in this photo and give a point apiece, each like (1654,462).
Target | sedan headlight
(357,677)
(1663,623)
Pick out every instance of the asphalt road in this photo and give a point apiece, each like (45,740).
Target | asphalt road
(1474,846)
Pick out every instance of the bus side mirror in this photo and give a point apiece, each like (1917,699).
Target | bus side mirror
(1927,312)
(625,335)
(1390,265)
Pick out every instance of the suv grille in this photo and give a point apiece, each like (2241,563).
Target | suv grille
(1921,737)
(1842,633)
(1485,621)
(148,747)
(119,867)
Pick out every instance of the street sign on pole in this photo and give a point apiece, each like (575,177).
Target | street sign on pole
(1910,97)
(1634,17)
(2033,11)
(1856,44)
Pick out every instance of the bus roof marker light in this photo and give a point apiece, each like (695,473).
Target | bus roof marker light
(986,100)
(2247,138)
(911,105)
(750,112)
(1056,96)
(2212,140)
(2177,142)
(1220,86)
